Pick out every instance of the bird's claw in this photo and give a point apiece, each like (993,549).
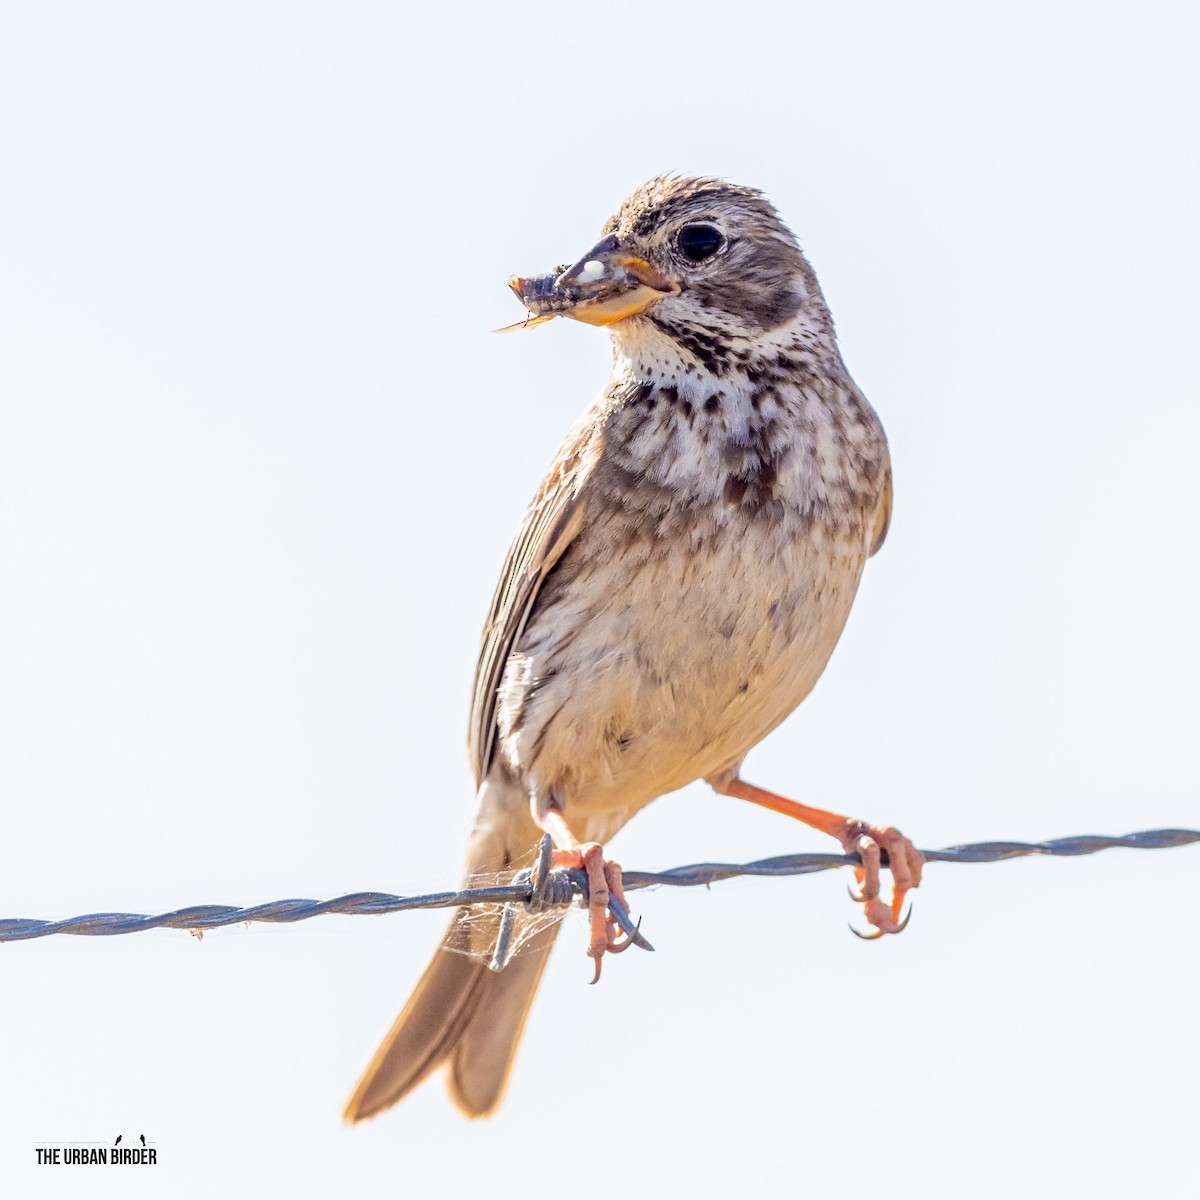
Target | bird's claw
(619,915)
(882,929)
(904,861)
(631,939)
(607,909)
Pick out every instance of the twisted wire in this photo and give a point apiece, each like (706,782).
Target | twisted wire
(560,886)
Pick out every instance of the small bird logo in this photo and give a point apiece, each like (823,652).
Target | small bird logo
(118,1141)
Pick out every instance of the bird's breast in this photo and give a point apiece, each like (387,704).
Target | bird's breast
(652,662)
(721,549)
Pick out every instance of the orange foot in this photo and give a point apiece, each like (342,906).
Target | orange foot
(904,861)
(604,882)
(608,911)
(869,842)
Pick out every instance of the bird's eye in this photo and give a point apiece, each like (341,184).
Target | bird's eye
(698,242)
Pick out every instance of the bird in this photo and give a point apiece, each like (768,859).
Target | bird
(675,589)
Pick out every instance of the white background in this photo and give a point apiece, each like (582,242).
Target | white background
(260,457)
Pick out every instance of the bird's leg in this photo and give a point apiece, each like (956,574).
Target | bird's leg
(857,837)
(604,878)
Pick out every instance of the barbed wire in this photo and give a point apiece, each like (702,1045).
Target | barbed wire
(559,886)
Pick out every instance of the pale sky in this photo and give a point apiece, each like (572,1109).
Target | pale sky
(260,459)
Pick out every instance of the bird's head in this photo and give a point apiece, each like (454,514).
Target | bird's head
(702,261)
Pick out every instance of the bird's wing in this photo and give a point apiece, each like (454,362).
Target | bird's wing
(883,512)
(551,523)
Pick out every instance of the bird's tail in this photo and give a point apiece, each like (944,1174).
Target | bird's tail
(462,1013)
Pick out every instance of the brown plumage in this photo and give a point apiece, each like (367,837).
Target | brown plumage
(675,590)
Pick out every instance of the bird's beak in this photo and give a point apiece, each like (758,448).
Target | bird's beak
(605,286)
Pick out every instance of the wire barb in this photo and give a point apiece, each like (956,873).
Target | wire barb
(541,896)
(560,887)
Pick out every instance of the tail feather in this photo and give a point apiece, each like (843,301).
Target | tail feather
(461,1012)
(488,1041)
(424,1034)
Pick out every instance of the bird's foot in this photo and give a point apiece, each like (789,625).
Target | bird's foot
(869,842)
(604,886)
(904,861)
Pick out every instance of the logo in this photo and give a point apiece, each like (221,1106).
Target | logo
(124,1152)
